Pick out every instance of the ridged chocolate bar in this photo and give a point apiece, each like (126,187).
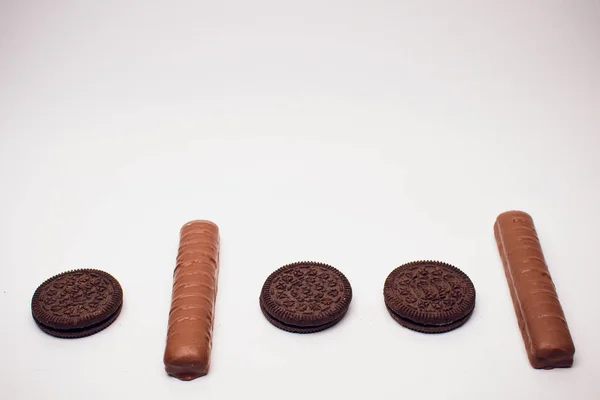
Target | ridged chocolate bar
(540,316)
(189,336)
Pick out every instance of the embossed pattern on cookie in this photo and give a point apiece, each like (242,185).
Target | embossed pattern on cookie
(305,297)
(429,296)
(77,303)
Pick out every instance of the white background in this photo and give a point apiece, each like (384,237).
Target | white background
(364,134)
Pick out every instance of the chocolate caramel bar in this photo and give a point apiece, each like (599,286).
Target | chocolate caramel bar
(539,314)
(189,335)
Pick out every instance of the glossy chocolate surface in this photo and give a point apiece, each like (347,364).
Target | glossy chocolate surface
(191,319)
(540,316)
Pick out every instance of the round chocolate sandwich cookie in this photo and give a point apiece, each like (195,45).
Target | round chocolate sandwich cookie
(305,297)
(77,303)
(429,296)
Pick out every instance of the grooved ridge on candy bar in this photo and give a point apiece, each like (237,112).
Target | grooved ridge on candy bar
(539,314)
(191,319)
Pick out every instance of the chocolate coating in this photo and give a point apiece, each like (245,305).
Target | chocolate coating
(540,316)
(189,336)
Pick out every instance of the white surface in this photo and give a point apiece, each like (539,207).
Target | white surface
(364,134)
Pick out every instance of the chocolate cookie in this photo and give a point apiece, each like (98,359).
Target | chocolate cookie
(77,303)
(429,296)
(305,297)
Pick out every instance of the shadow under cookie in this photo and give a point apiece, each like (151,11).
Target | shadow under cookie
(429,328)
(298,329)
